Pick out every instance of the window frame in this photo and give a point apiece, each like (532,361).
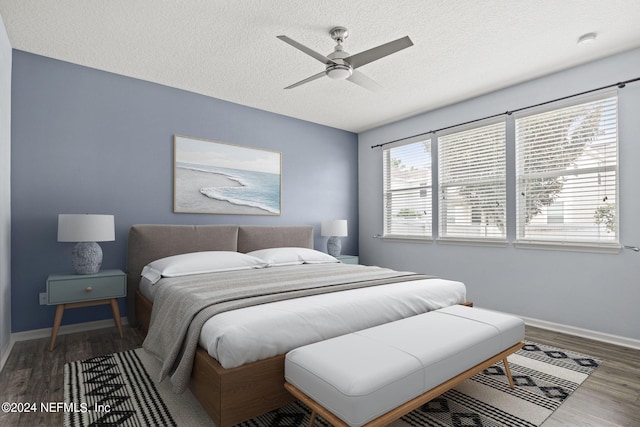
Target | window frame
(521,240)
(442,224)
(387,192)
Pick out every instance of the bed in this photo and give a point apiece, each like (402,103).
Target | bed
(234,394)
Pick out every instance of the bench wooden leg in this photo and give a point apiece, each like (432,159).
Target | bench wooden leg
(508,371)
(315,407)
(313,418)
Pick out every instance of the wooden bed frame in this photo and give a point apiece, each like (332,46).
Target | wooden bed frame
(229,396)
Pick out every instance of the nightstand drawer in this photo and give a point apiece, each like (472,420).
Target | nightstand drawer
(67,289)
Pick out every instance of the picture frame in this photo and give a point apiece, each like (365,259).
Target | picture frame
(214,177)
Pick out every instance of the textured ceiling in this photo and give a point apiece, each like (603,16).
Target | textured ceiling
(229,50)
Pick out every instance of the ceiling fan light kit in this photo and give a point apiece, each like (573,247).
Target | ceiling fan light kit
(340,65)
(339,72)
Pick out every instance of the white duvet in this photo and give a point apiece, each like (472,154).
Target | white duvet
(250,334)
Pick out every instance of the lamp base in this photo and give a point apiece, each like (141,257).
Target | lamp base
(86,258)
(334,246)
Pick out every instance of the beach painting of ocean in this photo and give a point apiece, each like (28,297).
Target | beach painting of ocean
(219,178)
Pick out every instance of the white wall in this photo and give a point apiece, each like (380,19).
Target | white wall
(596,292)
(5,193)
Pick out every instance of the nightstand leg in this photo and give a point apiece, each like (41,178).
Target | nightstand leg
(116,315)
(56,325)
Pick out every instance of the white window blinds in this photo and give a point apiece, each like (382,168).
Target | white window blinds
(566,162)
(472,189)
(407,190)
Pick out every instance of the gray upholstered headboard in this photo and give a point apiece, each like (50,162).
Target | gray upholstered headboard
(148,242)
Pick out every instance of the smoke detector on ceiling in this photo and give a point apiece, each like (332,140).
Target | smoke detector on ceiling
(587,39)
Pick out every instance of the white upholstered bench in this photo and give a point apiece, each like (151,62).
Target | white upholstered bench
(377,375)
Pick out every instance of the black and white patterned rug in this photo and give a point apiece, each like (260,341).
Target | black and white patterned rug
(118,390)
(112,390)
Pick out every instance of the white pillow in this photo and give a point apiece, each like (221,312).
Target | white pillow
(275,257)
(198,263)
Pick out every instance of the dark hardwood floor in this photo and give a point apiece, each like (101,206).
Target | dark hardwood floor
(34,374)
(609,397)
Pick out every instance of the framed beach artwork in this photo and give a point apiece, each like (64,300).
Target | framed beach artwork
(219,178)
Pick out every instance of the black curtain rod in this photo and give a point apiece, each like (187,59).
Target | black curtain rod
(508,113)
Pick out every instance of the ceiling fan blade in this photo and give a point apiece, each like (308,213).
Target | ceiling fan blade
(361,80)
(307,80)
(373,54)
(320,57)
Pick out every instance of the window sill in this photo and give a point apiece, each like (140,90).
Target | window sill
(612,248)
(407,239)
(497,243)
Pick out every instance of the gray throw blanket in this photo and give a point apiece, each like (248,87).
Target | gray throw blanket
(183,304)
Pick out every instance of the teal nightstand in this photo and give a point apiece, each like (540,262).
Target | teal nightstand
(348,259)
(84,290)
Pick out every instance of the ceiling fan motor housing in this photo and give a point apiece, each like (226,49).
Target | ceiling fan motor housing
(340,69)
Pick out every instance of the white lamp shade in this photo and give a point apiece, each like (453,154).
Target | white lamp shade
(85,228)
(335,227)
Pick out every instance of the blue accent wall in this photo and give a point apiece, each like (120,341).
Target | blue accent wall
(88,141)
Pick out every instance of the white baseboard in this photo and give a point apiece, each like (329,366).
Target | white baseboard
(584,333)
(46,333)
(66,329)
(578,332)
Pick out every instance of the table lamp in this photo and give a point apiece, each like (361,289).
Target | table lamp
(85,229)
(334,229)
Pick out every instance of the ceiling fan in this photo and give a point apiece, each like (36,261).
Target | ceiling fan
(340,65)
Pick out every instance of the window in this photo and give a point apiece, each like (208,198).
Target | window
(472,183)
(566,162)
(407,190)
